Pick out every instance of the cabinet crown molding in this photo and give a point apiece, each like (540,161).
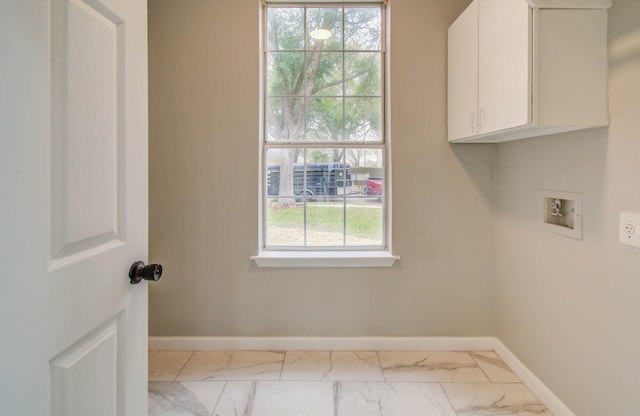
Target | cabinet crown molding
(570,4)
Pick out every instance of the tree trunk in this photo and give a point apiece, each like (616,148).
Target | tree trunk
(286,178)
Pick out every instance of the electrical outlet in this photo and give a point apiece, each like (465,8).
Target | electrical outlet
(630,228)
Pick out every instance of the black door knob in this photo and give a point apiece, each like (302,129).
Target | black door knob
(139,271)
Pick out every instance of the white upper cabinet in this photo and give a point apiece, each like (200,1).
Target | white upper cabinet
(463,64)
(522,69)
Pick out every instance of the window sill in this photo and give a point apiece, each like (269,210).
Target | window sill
(325,259)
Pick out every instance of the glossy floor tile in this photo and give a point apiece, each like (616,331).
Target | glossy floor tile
(165,365)
(494,367)
(336,383)
(332,365)
(480,399)
(391,399)
(433,366)
(276,398)
(197,398)
(233,365)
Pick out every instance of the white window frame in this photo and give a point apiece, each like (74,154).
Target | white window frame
(345,256)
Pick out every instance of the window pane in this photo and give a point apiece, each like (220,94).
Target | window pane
(324,28)
(362,28)
(364,221)
(364,214)
(366,171)
(285,119)
(365,163)
(285,225)
(324,73)
(325,119)
(362,73)
(285,28)
(325,222)
(326,173)
(363,119)
(284,73)
(335,194)
(284,175)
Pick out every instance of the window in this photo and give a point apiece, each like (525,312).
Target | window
(324,150)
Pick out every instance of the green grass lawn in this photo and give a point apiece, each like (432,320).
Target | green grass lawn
(362,221)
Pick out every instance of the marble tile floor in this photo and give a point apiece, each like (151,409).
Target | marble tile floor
(336,383)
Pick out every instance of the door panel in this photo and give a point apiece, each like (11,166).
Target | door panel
(88,107)
(73,217)
(83,380)
(92,125)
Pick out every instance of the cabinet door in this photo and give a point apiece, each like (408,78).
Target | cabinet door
(463,74)
(503,65)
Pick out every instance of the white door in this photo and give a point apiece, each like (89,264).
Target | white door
(73,207)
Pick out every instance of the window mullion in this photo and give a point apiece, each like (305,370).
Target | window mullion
(344,137)
(344,197)
(304,197)
(306,112)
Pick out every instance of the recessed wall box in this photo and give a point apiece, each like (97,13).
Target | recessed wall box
(561,212)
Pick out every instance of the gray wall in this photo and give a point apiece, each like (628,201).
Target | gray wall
(569,309)
(203,191)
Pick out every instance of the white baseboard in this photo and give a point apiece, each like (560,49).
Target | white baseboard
(553,403)
(323,343)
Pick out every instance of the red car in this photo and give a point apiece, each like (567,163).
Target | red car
(373,186)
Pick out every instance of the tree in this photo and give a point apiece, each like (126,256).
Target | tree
(322,89)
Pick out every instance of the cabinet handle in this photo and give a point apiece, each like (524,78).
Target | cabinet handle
(480,120)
